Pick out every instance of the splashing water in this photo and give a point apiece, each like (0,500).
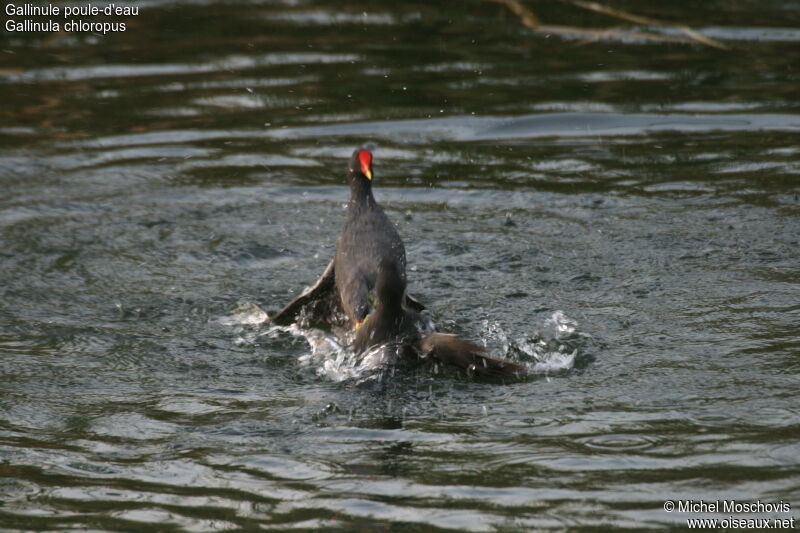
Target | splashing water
(550,347)
(547,351)
(559,326)
(247,314)
(329,352)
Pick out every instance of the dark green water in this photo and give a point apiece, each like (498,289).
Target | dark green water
(152,181)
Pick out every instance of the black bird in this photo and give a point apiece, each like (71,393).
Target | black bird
(392,325)
(370,266)
(367,239)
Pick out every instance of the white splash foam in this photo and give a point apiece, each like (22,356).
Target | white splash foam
(548,349)
(548,346)
(559,326)
(554,362)
(338,363)
(247,314)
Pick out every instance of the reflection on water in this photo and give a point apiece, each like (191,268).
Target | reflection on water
(626,211)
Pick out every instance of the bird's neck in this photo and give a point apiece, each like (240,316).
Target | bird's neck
(361,193)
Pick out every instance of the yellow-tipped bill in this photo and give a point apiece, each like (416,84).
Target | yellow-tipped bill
(365,157)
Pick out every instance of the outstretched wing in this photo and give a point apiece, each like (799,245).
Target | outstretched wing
(321,302)
(475,359)
(318,300)
(413,303)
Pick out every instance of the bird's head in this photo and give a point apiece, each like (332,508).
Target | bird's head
(360,166)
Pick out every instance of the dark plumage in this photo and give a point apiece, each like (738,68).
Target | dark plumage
(389,323)
(368,239)
(370,267)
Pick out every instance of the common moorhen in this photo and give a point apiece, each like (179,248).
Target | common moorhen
(370,260)
(367,238)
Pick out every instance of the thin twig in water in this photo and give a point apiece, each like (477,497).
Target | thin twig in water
(526,15)
(646,21)
(531,21)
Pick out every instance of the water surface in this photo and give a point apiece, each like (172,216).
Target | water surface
(645,195)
